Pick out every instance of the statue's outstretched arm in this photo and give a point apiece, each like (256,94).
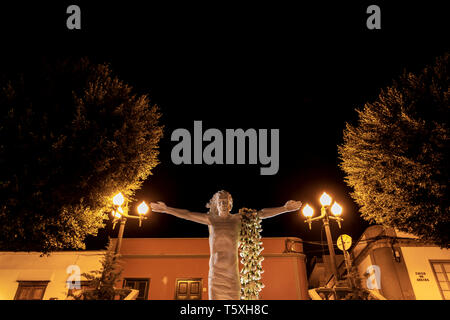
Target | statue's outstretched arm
(291,205)
(180,213)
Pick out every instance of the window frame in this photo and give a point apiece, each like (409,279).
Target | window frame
(200,280)
(441,262)
(84,284)
(31,284)
(147,287)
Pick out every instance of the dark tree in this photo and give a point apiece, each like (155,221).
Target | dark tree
(396,158)
(71,136)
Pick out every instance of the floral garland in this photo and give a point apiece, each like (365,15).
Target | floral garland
(250,247)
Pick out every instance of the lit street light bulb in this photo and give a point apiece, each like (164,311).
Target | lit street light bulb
(336,209)
(308,212)
(325,199)
(142,208)
(117,215)
(118,199)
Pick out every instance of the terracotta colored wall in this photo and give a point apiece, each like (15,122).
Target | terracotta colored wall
(284,279)
(163,273)
(163,260)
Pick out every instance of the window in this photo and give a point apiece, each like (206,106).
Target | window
(188,289)
(84,285)
(138,284)
(31,290)
(442,272)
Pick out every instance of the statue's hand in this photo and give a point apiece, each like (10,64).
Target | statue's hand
(293,205)
(158,206)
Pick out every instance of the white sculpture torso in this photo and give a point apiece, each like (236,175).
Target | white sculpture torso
(223,277)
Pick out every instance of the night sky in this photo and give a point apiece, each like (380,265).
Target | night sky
(301,69)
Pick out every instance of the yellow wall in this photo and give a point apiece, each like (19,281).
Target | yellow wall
(417,260)
(26,266)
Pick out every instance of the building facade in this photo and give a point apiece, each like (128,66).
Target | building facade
(30,276)
(160,268)
(397,265)
(177,268)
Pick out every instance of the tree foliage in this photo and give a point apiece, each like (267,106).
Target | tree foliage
(396,158)
(71,136)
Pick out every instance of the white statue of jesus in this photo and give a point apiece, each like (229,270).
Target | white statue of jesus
(224,231)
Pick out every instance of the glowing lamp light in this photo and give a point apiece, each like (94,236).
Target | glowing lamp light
(142,208)
(308,212)
(118,199)
(117,215)
(336,209)
(325,199)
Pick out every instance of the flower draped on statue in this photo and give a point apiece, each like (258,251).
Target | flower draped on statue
(250,247)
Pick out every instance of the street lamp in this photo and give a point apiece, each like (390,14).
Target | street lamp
(142,209)
(336,210)
(121,214)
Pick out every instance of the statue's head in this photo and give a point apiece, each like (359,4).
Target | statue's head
(220,204)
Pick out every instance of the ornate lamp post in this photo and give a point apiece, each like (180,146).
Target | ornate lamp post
(121,214)
(336,210)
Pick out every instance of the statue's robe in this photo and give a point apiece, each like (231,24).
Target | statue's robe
(223,277)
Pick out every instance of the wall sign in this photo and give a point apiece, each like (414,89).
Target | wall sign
(421,276)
